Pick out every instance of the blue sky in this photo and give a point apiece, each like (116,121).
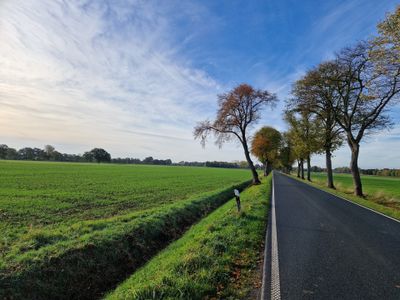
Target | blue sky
(134,77)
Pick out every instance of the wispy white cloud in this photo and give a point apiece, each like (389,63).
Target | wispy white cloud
(86,73)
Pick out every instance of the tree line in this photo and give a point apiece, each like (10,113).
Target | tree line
(342,100)
(346,99)
(346,170)
(217,164)
(147,161)
(48,153)
(238,111)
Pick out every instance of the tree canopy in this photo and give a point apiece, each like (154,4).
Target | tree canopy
(98,155)
(266,145)
(238,110)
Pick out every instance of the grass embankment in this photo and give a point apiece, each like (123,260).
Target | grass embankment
(216,258)
(79,253)
(381,193)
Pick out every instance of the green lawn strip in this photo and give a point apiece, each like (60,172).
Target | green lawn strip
(216,258)
(366,202)
(86,259)
(380,189)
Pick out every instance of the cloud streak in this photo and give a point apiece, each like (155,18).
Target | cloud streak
(75,72)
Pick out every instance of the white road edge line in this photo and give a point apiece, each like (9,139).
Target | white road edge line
(265,265)
(340,197)
(275,282)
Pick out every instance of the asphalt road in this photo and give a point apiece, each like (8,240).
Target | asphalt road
(328,248)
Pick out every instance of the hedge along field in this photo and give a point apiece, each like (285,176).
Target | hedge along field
(216,258)
(75,230)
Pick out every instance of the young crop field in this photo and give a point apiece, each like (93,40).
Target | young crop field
(66,224)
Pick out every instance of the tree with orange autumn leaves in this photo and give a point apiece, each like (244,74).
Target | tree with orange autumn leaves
(266,146)
(238,110)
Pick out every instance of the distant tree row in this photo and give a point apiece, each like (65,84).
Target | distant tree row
(378,172)
(147,161)
(381,172)
(28,153)
(50,154)
(346,99)
(218,164)
(347,170)
(222,164)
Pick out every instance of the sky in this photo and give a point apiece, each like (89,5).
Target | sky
(134,77)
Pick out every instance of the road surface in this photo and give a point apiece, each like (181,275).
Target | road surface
(322,247)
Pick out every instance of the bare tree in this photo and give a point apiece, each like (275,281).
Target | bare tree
(238,110)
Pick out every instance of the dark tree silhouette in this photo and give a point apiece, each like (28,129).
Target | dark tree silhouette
(98,155)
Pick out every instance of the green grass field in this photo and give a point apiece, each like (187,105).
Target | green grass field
(373,186)
(75,222)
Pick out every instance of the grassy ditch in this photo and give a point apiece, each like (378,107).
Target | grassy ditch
(372,200)
(85,260)
(216,259)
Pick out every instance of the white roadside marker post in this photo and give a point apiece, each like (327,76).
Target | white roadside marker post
(237,196)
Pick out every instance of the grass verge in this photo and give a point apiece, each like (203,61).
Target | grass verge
(97,254)
(216,259)
(369,201)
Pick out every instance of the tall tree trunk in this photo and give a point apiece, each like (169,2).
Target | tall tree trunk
(269,167)
(328,156)
(256,180)
(298,168)
(302,168)
(265,169)
(355,172)
(308,167)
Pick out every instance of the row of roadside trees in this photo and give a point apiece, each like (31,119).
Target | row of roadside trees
(341,100)
(345,99)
